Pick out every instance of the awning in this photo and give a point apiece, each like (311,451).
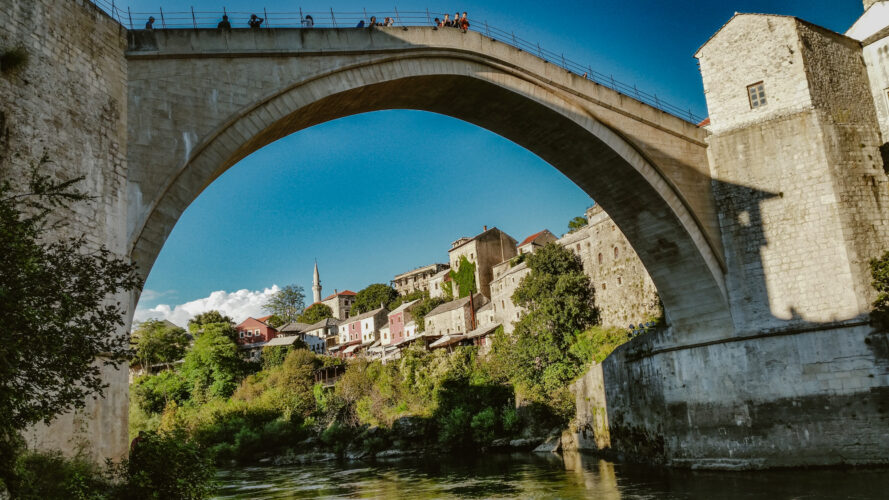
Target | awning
(282,341)
(351,348)
(482,331)
(335,348)
(446,341)
(253,345)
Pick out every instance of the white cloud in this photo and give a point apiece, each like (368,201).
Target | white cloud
(239,305)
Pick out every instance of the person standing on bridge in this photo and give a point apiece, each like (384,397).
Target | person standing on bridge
(150,24)
(464,23)
(447,21)
(308,22)
(224,24)
(255,21)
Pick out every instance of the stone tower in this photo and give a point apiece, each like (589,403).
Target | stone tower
(316,286)
(798,176)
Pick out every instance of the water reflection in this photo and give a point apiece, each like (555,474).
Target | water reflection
(541,476)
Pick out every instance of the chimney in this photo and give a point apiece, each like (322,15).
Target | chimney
(485,228)
(335,291)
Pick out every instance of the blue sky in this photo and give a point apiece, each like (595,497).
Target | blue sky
(374,195)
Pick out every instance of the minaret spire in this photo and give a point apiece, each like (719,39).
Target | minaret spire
(316,285)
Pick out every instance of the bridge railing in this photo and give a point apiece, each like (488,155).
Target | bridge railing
(195,19)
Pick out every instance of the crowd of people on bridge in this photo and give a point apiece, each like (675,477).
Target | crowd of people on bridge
(255,22)
(457,22)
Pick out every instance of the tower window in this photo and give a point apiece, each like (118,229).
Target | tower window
(757,95)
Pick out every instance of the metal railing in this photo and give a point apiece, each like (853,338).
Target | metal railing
(195,19)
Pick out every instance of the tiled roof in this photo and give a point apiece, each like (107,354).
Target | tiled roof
(295,326)
(264,318)
(404,306)
(479,301)
(531,238)
(325,322)
(344,292)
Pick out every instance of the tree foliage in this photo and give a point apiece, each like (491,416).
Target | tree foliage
(577,223)
(157,341)
(213,366)
(373,296)
(879,270)
(196,324)
(538,356)
(315,313)
(287,303)
(59,305)
(464,277)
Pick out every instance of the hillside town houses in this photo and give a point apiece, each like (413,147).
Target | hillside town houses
(625,294)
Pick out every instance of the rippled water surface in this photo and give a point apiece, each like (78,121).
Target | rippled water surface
(541,476)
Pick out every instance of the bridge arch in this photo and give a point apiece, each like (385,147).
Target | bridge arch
(642,166)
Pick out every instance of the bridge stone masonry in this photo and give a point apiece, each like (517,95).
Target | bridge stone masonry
(756,230)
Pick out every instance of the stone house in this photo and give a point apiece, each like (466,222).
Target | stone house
(341,303)
(485,250)
(454,317)
(417,279)
(535,241)
(507,278)
(436,282)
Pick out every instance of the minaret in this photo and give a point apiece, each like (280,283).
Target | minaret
(316,286)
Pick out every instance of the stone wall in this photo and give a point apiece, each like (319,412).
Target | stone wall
(69,102)
(807,397)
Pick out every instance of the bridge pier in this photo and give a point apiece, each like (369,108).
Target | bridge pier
(817,395)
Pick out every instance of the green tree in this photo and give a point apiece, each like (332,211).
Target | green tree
(159,342)
(213,366)
(287,303)
(373,296)
(464,277)
(577,223)
(315,313)
(879,270)
(558,301)
(275,321)
(196,324)
(59,306)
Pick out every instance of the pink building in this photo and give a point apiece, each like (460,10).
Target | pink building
(398,318)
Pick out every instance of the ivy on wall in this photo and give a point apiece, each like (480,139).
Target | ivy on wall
(464,277)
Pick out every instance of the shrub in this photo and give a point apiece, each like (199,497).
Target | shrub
(167,466)
(454,428)
(42,476)
(483,426)
(879,270)
(510,420)
(153,392)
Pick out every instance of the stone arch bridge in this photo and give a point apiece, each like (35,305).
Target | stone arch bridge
(761,268)
(201,100)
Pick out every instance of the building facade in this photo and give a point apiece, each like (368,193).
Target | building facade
(340,303)
(507,278)
(454,317)
(437,281)
(625,293)
(417,279)
(795,147)
(485,250)
(399,321)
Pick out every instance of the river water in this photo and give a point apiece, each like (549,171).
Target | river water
(541,476)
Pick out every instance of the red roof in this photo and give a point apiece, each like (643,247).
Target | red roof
(704,122)
(264,318)
(531,238)
(344,292)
